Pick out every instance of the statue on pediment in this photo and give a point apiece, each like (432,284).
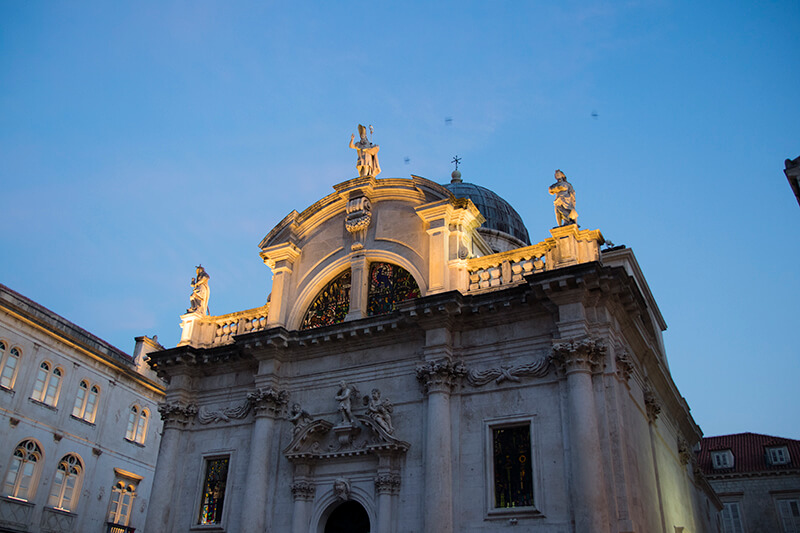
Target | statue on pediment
(198,301)
(367,163)
(564,201)
(380,410)
(299,417)
(345,398)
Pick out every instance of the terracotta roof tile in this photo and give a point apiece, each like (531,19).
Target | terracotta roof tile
(749,453)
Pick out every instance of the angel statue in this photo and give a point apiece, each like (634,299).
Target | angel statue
(564,200)
(344,396)
(367,163)
(380,410)
(198,301)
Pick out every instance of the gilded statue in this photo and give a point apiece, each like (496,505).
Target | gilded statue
(367,163)
(564,201)
(198,301)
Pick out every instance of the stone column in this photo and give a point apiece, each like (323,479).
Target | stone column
(303,493)
(438,378)
(280,259)
(175,417)
(577,359)
(359,286)
(267,404)
(386,485)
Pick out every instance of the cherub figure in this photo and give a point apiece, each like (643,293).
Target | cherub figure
(380,410)
(299,417)
(344,397)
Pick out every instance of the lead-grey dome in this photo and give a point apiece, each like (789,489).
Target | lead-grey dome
(499,214)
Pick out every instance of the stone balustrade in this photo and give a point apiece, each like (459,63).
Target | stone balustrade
(568,245)
(207,331)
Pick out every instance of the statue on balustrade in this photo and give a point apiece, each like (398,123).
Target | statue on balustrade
(564,201)
(198,301)
(367,163)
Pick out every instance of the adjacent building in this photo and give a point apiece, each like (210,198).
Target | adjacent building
(80,428)
(757,477)
(421,366)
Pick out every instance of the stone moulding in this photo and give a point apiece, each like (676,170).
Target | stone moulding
(239,411)
(538,368)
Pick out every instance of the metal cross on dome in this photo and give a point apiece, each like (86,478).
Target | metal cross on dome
(456,160)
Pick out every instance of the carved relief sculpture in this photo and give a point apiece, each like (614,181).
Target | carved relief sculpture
(564,201)
(299,417)
(198,301)
(357,219)
(380,410)
(538,368)
(579,355)
(207,416)
(341,489)
(367,163)
(441,375)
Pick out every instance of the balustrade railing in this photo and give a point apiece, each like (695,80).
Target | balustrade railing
(116,528)
(226,326)
(506,267)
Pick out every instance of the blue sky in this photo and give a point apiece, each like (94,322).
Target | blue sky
(140,139)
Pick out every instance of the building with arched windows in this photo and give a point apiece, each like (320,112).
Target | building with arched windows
(421,366)
(78,443)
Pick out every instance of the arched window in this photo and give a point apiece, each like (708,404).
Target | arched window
(48,384)
(119,511)
(8,366)
(23,471)
(331,304)
(388,285)
(86,401)
(137,424)
(66,483)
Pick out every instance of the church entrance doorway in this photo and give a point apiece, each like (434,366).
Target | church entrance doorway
(349,517)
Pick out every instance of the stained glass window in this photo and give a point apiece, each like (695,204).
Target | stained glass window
(214,490)
(513,479)
(331,304)
(388,285)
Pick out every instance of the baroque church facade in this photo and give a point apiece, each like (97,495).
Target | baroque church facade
(421,366)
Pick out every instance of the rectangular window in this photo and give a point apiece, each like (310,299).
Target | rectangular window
(722,459)
(778,455)
(511,462)
(731,518)
(213,497)
(789,511)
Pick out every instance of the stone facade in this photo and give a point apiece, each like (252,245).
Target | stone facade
(526,388)
(66,398)
(758,481)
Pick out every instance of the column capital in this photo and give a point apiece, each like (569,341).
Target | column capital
(578,355)
(441,375)
(268,401)
(651,404)
(387,483)
(177,414)
(303,490)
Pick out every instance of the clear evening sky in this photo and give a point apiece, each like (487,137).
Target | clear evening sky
(139,139)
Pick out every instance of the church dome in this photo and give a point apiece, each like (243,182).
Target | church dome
(499,214)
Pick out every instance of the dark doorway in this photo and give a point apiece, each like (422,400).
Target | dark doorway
(349,517)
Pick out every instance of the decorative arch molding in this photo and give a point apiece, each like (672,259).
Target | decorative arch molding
(308,293)
(328,502)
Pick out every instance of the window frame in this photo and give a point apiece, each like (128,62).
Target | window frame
(730,505)
(42,395)
(7,354)
(136,431)
(718,454)
(125,483)
(76,487)
(774,451)
(91,391)
(33,482)
(200,484)
(537,486)
(787,499)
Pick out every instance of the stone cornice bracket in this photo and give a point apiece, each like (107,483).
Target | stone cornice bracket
(387,484)
(538,368)
(280,257)
(624,365)
(176,413)
(303,490)
(578,355)
(684,452)
(441,375)
(268,401)
(652,405)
